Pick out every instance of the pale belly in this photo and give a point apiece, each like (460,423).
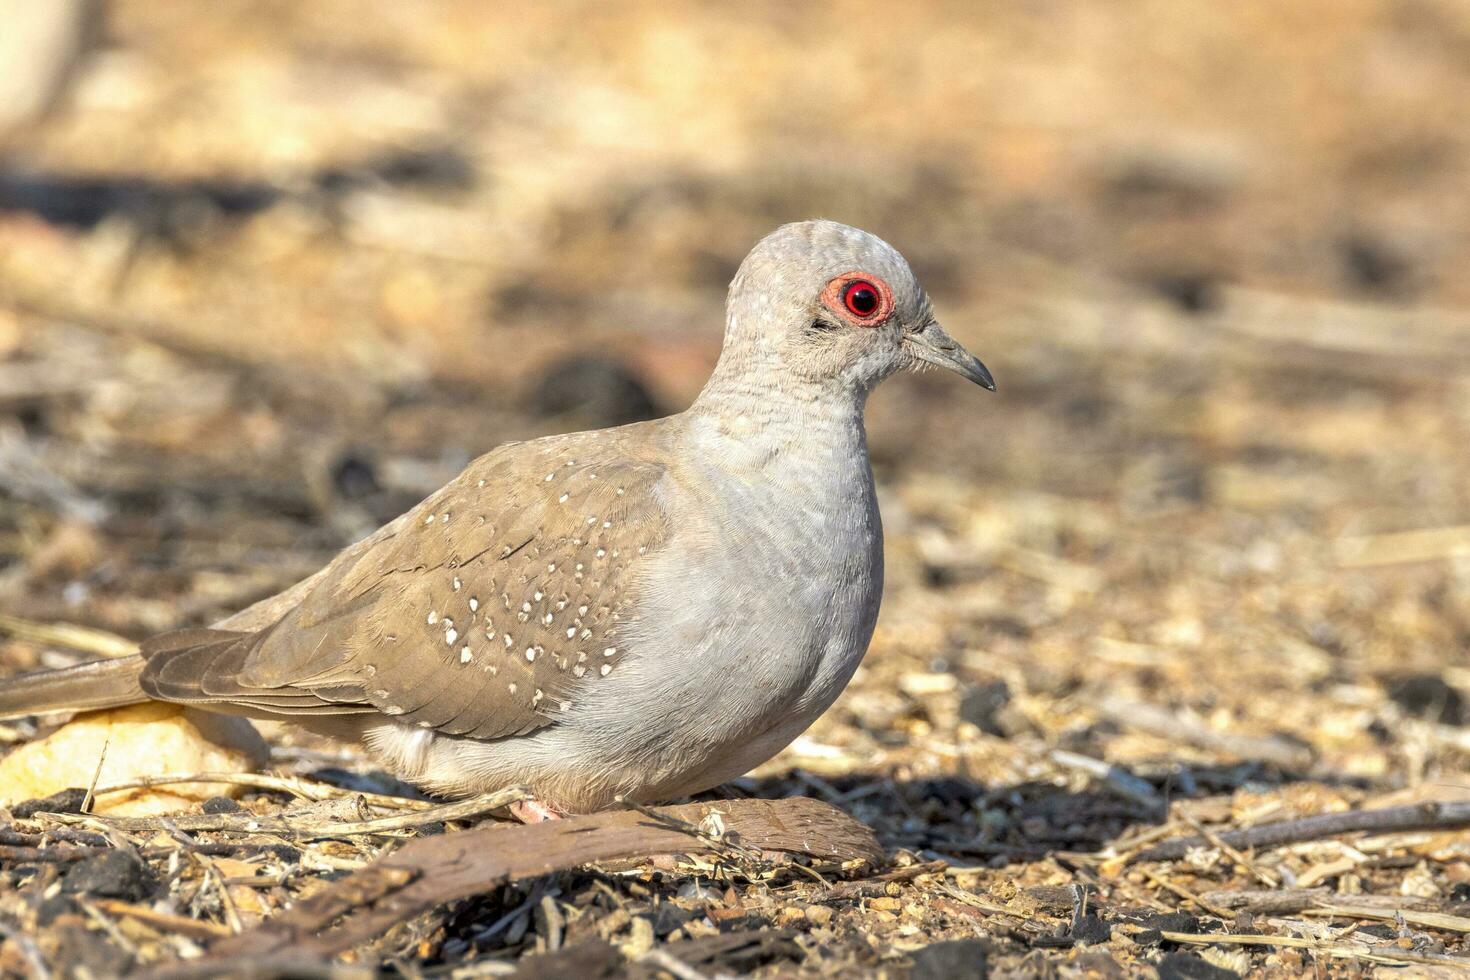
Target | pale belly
(701,708)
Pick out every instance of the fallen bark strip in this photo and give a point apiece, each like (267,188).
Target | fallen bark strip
(428,872)
(1393,819)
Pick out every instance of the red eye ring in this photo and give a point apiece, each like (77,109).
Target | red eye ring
(861,298)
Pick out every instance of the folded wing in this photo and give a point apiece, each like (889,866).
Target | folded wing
(483,613)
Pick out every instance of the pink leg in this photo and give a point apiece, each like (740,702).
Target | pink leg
(533,811)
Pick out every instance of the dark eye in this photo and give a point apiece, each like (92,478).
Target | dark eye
(861,298)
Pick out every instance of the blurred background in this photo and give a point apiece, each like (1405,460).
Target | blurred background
(272,270)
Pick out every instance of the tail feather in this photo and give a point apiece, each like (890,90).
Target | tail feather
(85,687)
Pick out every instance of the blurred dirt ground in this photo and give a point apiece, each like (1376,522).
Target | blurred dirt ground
(274,270)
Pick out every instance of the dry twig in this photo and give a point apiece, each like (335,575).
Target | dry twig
(248,823)
(194,928)
(1418,816)
(1264,877)
(1187,895)
(307,789)
(28,950)
(1116,778)
(68,636)
(877,885)
(1163,723)
(1327,949)
(1429,920)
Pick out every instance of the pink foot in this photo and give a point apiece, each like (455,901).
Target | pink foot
(533,811)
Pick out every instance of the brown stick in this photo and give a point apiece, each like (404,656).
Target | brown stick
(1372,954)
(1429,920)
(50,855)
(1285,901)
(431,871)
(197,928)
(1289,901)
(1393,819)
(877,885)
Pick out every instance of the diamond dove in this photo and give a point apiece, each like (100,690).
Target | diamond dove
(641,612)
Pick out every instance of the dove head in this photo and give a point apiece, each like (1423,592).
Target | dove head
(821,306)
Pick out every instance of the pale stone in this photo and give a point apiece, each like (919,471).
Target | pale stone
(153,739)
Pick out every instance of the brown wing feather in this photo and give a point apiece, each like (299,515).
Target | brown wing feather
(481,613)
(204,671)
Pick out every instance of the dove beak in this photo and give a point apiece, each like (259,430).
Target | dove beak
(933,345)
